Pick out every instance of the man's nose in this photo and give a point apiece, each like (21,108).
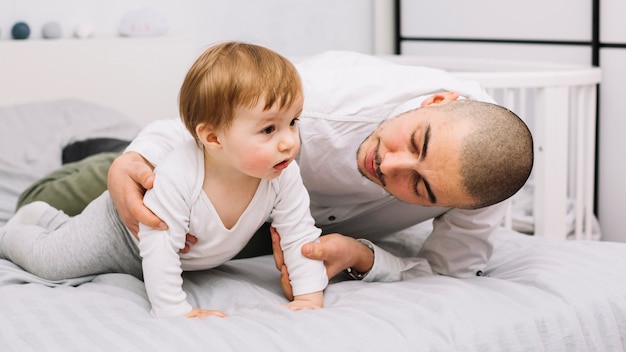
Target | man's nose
(395,163)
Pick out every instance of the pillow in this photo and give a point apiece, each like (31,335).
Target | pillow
(33,136)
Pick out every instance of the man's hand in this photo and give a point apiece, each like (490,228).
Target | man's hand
(337,251)
(130,175)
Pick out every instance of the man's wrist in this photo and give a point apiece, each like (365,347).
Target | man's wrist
(364,263)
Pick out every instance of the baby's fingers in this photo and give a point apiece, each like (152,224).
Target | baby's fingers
(203,313)
(301,305)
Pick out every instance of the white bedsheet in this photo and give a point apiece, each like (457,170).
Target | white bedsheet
(539,295)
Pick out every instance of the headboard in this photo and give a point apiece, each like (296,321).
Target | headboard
(139,77)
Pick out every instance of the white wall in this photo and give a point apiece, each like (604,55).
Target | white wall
(498,20)
(612,144)
(291,27)
(527,20)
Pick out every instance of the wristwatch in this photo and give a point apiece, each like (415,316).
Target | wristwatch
(355,274)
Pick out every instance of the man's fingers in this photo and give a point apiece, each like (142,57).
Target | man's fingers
(338,252)
(285,283)
(144,176)
(133,227)
(279,260)
(141,170)
(127,179)
(189,241)
(147,217)
(313,251)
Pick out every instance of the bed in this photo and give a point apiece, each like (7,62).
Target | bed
(540,293)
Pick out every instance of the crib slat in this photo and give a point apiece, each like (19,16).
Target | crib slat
(551,161)
(579,200)
(588,114)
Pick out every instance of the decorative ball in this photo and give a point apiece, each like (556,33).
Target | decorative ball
(51,30)
(143,23)
(20,30)
(83,30)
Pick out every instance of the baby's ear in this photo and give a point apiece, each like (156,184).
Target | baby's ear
(207,136)
(439,98)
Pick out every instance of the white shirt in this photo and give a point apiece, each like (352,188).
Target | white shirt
(178,198)
(346,96)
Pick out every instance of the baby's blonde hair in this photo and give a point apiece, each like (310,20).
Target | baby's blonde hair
(231,75)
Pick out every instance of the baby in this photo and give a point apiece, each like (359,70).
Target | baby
(241,104)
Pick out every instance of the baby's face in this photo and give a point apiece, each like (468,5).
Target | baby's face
(262,143)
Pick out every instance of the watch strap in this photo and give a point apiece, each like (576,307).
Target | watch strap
(355,274)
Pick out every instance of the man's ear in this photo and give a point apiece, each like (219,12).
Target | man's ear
(207,136)
(439,98)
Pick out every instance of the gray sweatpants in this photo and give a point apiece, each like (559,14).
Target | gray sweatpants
(55,246)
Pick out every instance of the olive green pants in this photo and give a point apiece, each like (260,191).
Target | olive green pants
(74,185)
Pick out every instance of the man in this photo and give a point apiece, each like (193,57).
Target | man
(452,161)
(384,147)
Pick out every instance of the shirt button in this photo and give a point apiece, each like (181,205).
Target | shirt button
(332,218)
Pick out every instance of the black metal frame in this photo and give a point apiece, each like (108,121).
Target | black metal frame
(595,45)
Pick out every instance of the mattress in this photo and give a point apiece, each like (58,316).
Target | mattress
(537,295)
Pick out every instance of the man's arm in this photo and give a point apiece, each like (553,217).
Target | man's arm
(342,252)
(460,245)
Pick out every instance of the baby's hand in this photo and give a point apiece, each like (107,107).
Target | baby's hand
(203,313)
(300,305)
(313,300)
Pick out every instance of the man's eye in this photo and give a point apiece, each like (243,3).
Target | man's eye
(413,145)
(416,185)
(269,130)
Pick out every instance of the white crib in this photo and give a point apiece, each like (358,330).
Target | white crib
(558,102)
